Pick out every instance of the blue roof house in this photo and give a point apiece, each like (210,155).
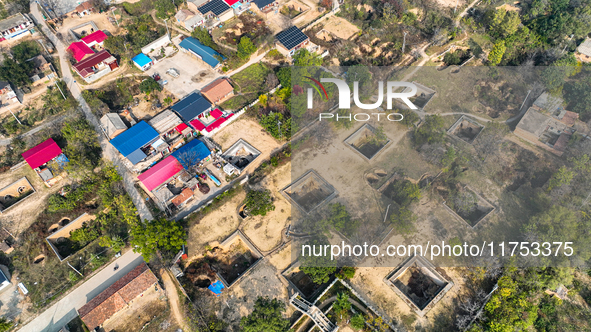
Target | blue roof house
(130,142)
(142,61)
(191,153)
(192,106)
(205,53)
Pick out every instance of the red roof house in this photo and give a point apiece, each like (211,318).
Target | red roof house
(42,153)
(117,296)
(100,61)
(230,2)
(80,50)
(160,173)
(97,37)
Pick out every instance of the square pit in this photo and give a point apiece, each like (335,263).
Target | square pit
(366,142)
(241,154)
(482,209)
(419,284)
(238,256)
(309,192)
(466,129)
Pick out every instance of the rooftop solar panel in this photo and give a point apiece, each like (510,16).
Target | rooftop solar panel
(217,7)
(291,37)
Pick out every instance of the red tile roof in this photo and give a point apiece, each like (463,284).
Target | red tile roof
(117,296)
(570,118)
(180,128)
(160,173)
(217,90)
(182,197)
(79,50)
(216,113)
(84,68)
(42,153)
(97,36)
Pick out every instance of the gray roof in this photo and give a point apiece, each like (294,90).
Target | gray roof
(534,122)
(165,121)
(198,3)
(112,122)
(585,47)
(163,194)
(549,103)
(12,21)
(46,174)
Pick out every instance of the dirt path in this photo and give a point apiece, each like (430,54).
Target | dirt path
(173,297)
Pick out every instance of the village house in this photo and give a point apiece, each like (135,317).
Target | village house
(112,125)
(7,95)
(193,5)
(198,112)
(188,19)
(584,51)
(139,142)
(216,10)
(117,296)
(547,124)
(39,156)
(96,66)
(41,69)
(200,51)
(291,40)
(15,26)
(265,6)
(142,61)
(79,51)
(85,8)
(218,91)
(96,38)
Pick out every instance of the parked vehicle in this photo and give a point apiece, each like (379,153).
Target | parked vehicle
(173,72)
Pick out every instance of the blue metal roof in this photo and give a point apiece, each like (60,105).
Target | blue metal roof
(192,152)
(191,106)
(204,52)
(134,138)
(216,288)
(141,59)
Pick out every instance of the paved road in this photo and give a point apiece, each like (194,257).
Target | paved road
(59,314)
(109,151)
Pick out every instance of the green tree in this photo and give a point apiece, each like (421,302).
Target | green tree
(340,219)
(204,37)
(245,48)
(5,325)
(496,54)
(509,309)
(267,316)
(342,305)
(431,131)
(83,148)
(452,59)
(116,45)
(357,321)
(258,203)
(115,242)
(403,220)
(164,8)
(304,58)
(405,192)
(149,85)
(150,236)
(504,23)
(319,274)
(561,177)
(358,73)
(84,235)
(346,272)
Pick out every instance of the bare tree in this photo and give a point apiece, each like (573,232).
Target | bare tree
(190,160)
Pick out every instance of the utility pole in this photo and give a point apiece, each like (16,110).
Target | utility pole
(75,269)
(58,86)
(17,120)
(279,125)
(165,23)
(456,7)
(564,49)
(115,18)
(404,42)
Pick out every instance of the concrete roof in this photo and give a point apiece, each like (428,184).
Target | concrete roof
(534,122)
(548,102)
(112,122)
(12,21)
(585,47)
(165,121)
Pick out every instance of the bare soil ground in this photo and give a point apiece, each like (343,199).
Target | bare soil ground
(264,280)
(266,231)
(173,298)
(139,312)
(216,226)
(452,3)
(101,21)
(308,17)
(340,27)
(252,132)
(277,22)
(21,216)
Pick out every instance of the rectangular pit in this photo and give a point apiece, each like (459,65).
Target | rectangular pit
(421,99)
(309,192)
(480,210)
(241,154)
(419,284)
(367,141)
(59,240)
(302,283)
(238,256)
(466,129)
(15,193)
